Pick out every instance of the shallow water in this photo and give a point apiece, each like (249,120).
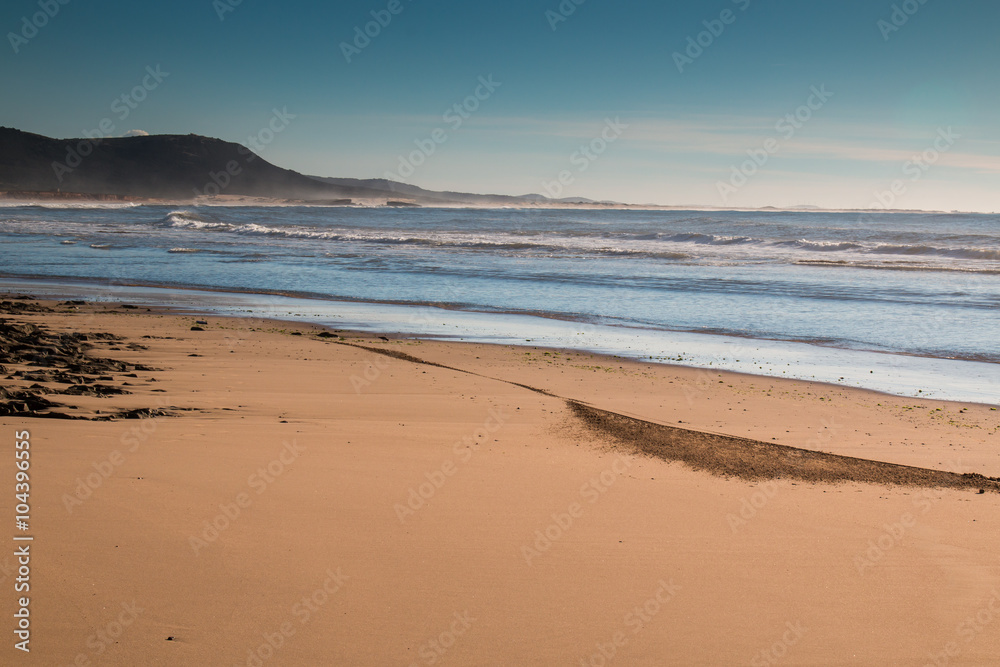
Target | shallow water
(632,282)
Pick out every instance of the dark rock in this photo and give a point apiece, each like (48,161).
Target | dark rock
(99,390)
(138,413)
(59,358)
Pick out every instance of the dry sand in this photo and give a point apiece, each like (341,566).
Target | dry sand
(383,511)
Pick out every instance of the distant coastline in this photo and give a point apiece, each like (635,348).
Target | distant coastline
(192,170)
(28,197)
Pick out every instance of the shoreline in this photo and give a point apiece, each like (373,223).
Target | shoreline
(899,374)
(695,382)
(411,481)
(12,199)
(85,281)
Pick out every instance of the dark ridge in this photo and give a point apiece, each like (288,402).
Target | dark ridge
(416,360)
(183,167)
(753,460)
(159,166)
(742,458)
(534,389)
(400,355)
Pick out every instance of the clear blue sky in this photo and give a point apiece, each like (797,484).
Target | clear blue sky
(894,93)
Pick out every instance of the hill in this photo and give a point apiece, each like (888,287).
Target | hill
(190,166)
(447,197)
(159,166)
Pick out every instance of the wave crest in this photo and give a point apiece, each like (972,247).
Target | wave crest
(190,220)
(656,245)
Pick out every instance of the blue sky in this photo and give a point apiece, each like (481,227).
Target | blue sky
(890,94)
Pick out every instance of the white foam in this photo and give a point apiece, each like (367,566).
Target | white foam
(902,375)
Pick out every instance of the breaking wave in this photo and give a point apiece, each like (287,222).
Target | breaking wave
(668,246)
(189,220)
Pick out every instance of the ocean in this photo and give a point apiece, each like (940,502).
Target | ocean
(907,303)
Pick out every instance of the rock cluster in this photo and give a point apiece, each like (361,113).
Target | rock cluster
(56,358)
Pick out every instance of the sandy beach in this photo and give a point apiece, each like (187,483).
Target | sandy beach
(289,495)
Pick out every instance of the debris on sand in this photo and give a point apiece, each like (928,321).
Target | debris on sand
(61,359)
